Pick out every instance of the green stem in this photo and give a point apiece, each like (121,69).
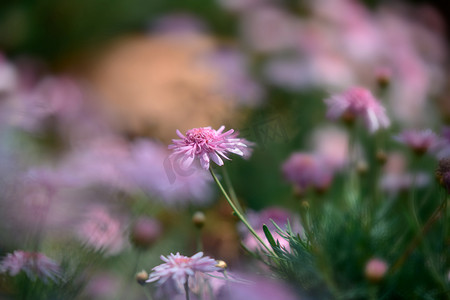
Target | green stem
(416,241)
(231,189)
(147,294)
(199,240)
(237,212)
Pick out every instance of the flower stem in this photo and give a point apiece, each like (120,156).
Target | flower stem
(237,212)
(415,242)
(186,288)
(226,177)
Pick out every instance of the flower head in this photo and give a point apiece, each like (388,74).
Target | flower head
(420,141)
(306,170)
(178,268)
(206,144)
(34,264)
(358,102)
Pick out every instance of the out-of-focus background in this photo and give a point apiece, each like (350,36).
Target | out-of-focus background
(93,91)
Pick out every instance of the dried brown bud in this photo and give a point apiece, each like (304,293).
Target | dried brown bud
(381,157)
(362,167)
(199,219)
(141,277)
(221,264)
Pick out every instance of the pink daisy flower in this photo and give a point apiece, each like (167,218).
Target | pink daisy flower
(420,141)
(206,144)
(178,268)
(358,102)
(35,265)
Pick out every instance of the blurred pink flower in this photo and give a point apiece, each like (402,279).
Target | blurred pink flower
(235,80)
(8,77)
(358,102)
(58,97)
(397,179)
(306,170)
(420,141)
(178,269)
(151,170)
(269,29)
(205,144)
(442,148)
(375,269)
(101,231)
(280,216)
(145,232)
(257,288)
(34,264)
(332,145)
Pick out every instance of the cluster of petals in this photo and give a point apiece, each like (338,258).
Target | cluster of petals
(420,141)
(34,264)
(206,144)
(178,268)
(358,102)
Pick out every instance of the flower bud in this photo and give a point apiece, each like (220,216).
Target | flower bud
(141,277)
(145,232)
(376,269)
(362,167)
(199,219)
(381,157)
(383,76)
(221,264)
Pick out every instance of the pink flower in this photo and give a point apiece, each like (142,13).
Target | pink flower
(101,231)
(419,141)
(280,216)
(375,269)
(358,102)
(207,144)
(35,265)
(178,268)
(306,170)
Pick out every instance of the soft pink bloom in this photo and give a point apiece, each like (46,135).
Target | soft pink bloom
(52,97)
(269,29)
(443,146)
(420,141)
(376,269)
(153,172)
(396,177)
(280,216)
(35,265)
(177,269)
(205,144)
(257,288)
(235,79)
(306,170)
(8,77)
(332,145)
(101,231)
(358,102)
(145,232)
